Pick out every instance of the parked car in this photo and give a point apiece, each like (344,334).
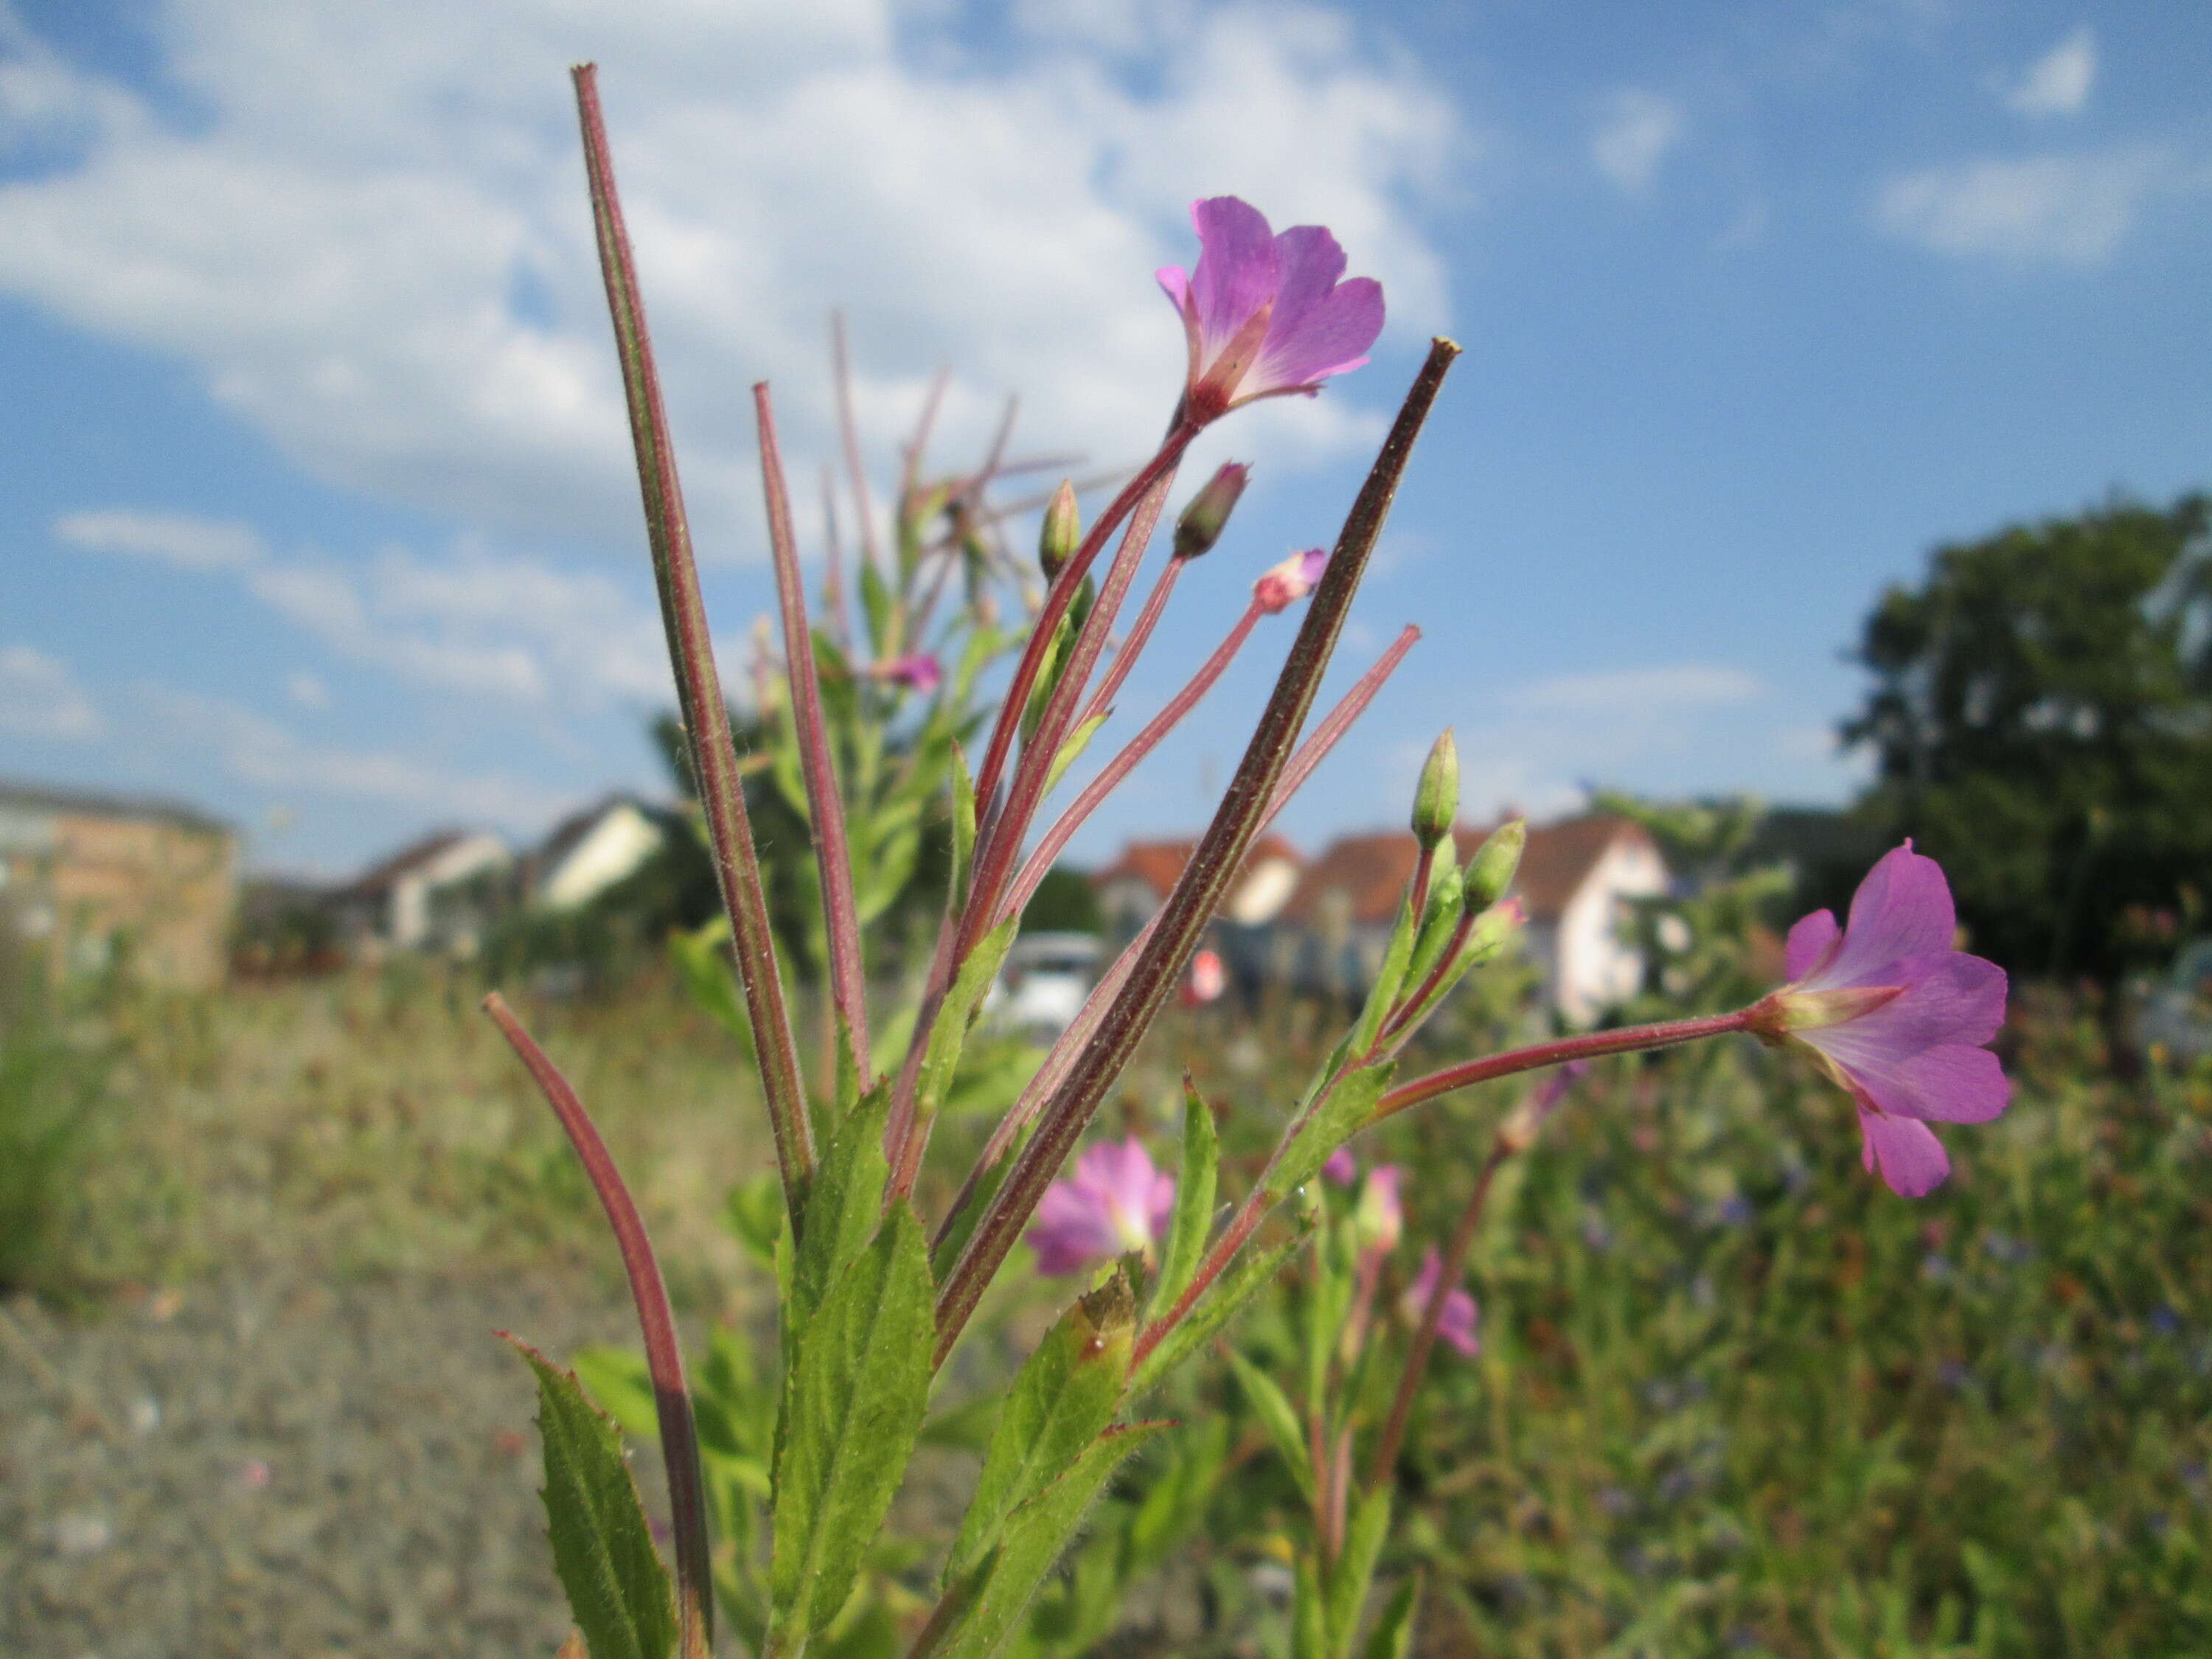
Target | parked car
(1046,978)
(2177,1010)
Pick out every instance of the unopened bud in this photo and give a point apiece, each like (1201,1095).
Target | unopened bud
(1489,872)
(1379,1219)
(1436,801)
(1208,516)
(1284,584)
(1063,531)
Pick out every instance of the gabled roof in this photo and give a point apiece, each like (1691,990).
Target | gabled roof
(1373,869)
(96,804)
(1159,864)
(567,835)
(404,862)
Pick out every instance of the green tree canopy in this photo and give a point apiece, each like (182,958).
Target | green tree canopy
(2041,723)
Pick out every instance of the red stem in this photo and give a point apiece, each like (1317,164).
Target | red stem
(691,654)
(833,577)
(1050,1076)
(1132,646)
(825,804)
(1588,1045)
(1123,763)
(664,1355)
(1204,880)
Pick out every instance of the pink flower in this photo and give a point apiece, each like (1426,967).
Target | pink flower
(1342,1168)
(1896,1016)
(1115,1202)
(1286,584)
(1266,315)
(918,672)
(1457,1323)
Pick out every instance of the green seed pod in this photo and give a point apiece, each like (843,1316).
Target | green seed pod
(1436,802)
(1063,531)
(1208,516)
(1489,872)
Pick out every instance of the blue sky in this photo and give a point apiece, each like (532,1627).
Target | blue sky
(316,504)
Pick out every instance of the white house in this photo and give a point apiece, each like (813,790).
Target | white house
(437,893)
(1575,879)
(590,852)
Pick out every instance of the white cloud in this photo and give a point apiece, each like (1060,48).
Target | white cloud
(307,690)
(2073,210)
(248,748)
(1635,133)
(375,247)
(2058,82)
(1630,690)
(505,626)
(177,538)
(40,697)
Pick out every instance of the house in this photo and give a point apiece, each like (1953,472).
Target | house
(1131,888)
(438,894)
(1574,880)
(592,850)
(101,878)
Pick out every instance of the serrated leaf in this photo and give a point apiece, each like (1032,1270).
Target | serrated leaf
(1338,1118)
(1278,1417)
(1393,1635)
(998,1591)
(853,1407)
(1193,1206)
(618,1591)
(1062,1401)
(1354,1571)
(843,1204)
(1214,1311)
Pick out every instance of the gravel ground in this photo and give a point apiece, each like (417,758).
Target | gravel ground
(261,1466)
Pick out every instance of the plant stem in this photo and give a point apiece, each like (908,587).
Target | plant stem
(698,687)
(1219,855)
(1627,1039)
(664,1356)
(825,803)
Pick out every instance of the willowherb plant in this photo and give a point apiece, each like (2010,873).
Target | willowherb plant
(806,1460)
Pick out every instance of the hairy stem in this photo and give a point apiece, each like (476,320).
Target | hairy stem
(664,1357)
(1588,1045)
(698,687)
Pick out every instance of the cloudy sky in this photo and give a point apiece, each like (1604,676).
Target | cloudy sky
(317,509)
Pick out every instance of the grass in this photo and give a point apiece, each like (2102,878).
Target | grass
(1734,1397)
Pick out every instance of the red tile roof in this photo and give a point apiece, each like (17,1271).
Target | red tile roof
(1159,864)
(1374,869)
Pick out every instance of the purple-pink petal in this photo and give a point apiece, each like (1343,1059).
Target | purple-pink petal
(1238,267)
(1456,1323)
(1331,338)
(1311,264)
(1911,1160)
(1342,1169)
(1809,943)
(1115,1200)
(1903,909)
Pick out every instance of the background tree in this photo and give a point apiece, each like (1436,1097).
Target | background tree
(2042,724)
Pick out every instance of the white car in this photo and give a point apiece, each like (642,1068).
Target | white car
(1041,988)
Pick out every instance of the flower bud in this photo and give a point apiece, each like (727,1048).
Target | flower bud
(1436,801)
(1489,872)
(1208,516)
(1379,1220)
(1063,531)
(1290,582)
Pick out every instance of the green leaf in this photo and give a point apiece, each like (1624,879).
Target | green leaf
(950,1035)
(876,604)
(1337,1119)
(1072,750)
(1308,1613)
(1354,1571)
(964,1427)
(712,979)
(1214,1311)
(843,1205)
(1194,1207)
(852,1409)
(756,1216)
(618,1590)
(1278,1417)
(1063,1400)
(1393,1635)
(963,820)
(998,1591)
